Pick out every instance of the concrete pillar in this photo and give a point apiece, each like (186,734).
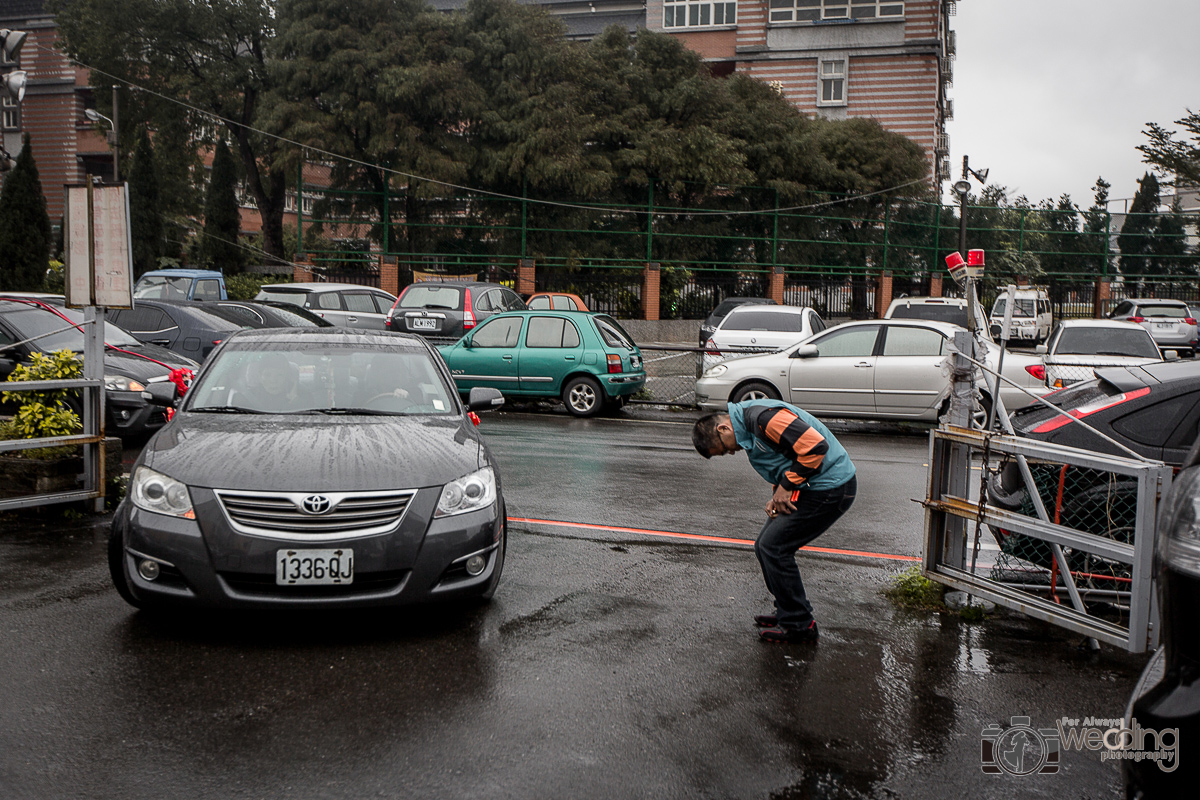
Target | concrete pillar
(883,294)
(650,286)
(935,285)
(526,276)
(302,271)
(776,290)
(389,274)
(1101,297)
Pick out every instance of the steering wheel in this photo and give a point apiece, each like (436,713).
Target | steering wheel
(390,396)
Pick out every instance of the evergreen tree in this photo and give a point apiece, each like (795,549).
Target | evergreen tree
(145,216)
(222,220)
(1094,243)
(25,236)
(1136,240)
(1170,247)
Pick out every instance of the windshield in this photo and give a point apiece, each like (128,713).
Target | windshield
(939,312)
(162,287)
(320,378)
(34,321)
(431,296)
(1163,310)
(282,296)
(1105,342)
(1023,308)
(754,320)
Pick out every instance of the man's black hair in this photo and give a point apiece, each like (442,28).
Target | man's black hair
(704,434)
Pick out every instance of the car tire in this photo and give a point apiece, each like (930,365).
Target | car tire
(490,590)
(755,390)
(583,396)
(116,568)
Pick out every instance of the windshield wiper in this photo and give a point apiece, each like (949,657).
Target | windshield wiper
(375,412)
(228,410)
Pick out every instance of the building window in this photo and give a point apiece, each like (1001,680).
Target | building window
(692,14)
(818,10)
(833,83)
(10,114)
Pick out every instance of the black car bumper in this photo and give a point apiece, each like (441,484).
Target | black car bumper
(205,563)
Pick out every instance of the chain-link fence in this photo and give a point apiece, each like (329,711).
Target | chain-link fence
(1089,500)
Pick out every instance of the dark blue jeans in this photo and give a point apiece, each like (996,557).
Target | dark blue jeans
(782,536)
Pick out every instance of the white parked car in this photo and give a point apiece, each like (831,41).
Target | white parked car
(1169,322)
(1077,347)
(750,329)
(877,369)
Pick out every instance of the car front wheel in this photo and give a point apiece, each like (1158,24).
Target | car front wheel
(583,396)
(755,390)
(116,568)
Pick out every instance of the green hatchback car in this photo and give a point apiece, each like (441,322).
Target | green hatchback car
(586,359)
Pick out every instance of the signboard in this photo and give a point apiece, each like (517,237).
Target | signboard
(99,248)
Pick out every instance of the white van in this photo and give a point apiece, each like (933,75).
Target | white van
(1031,319)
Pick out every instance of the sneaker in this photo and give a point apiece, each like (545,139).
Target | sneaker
(766,620)
(807,635)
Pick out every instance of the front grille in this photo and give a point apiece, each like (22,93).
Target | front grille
(329,515)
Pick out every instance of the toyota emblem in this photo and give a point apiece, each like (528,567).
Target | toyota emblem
(315,504)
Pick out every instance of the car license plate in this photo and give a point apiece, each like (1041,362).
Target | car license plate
(1165,324)
(422,324)
(314,567)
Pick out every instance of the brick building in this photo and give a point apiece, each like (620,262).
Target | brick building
(887,60)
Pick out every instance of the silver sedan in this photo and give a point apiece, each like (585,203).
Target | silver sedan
(877,369)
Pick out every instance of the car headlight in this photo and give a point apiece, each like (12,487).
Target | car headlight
(717,371)
(468,493)
(1179,527)
(153,491)
(120,383)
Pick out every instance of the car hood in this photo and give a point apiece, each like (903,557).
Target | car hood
(144,362)
(317,452)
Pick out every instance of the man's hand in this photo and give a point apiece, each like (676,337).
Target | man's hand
(780,503)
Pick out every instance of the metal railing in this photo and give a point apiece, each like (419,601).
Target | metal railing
(92,440)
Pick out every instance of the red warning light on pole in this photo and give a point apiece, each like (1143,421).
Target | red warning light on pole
(955,263)
(974,258)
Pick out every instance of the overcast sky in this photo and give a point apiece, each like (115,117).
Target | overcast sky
(1050,94)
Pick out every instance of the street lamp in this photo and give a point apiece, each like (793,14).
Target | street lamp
(95,116)
(961,188)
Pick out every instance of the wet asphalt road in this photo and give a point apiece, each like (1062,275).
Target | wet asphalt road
(611,663)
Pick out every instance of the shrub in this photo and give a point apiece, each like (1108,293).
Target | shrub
(911,589)
(43,413)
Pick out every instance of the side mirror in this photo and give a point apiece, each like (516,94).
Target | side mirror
(466,342)
(1171,355)
(1041,349)
(805,351)
(484,398)
(160,394)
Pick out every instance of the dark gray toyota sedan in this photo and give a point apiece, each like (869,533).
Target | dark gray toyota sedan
(313,467)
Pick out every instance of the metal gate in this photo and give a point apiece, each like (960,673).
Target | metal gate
(1102,553)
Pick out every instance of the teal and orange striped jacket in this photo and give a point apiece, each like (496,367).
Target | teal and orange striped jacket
(788,446)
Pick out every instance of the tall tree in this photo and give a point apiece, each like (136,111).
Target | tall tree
(210,56)
(1136,240)
(219,248)
(25,237)
(1180,157)
(1062,239)
(145,214)
(377,81)
(1094,243)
